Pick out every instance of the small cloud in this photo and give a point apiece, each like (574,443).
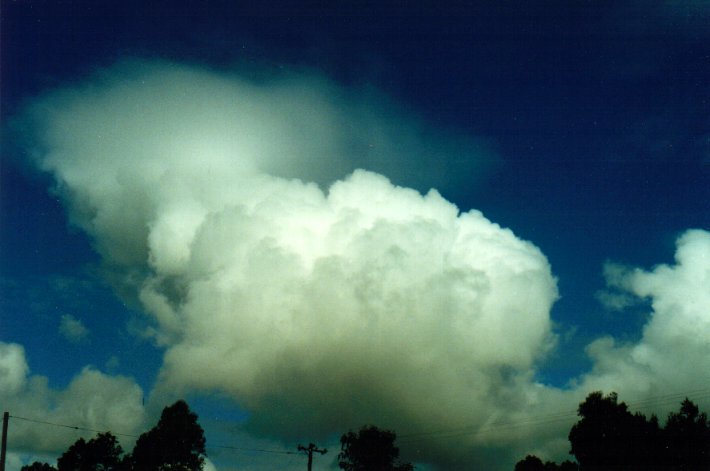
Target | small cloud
(618,294)
(113,363)
(615,301)
(73,329)
(13,368)
(616,275)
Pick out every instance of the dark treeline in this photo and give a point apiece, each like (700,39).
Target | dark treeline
(370,449)
(609,437)
(606,437)
(176,442)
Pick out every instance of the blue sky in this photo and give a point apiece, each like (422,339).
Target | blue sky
(179,217)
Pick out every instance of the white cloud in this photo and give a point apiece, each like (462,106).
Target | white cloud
(675,345)
(317,310)
(13,368)
(322,299)
(92,400)
(668,363)
(72,328)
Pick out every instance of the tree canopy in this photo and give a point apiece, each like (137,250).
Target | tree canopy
(609,436)
(370,449)
(38,466)
(533,463)
(687,438)
(177,442)
(102,453)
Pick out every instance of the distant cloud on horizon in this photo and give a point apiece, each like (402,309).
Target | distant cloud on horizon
(92,400)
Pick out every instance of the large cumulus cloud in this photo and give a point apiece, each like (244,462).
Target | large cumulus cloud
(340,321)
(320,296)
(316,307)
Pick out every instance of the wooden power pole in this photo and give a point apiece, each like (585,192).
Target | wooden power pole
(3,450)
(309,449)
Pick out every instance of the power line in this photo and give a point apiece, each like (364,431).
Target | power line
(470,429)
(473,428)
(670,398)
(84,429)
(544,419)
(479,430)
(73,427)
(253,450)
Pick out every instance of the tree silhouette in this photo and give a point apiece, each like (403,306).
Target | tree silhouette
(102,453)
(38,466)
(371,449)
(533,463)
(609,437)
(687,438)
(530,463)
(177,442)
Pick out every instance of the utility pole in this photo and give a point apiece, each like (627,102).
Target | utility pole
(5,419)
(310,449)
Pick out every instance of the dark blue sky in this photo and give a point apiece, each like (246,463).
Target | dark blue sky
(597,113)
